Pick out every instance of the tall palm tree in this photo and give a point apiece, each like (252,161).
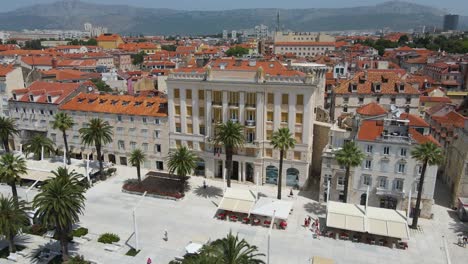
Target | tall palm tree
(36,143)
(97,133)
(63,122)
(13,217)
(182,162)
(11,169)
(59,204)
(428,154)
(136,158)
(232,250)
(283,140)
(349,156)
(7,130)
(231,136)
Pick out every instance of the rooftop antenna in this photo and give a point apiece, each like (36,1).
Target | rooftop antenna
(278,29)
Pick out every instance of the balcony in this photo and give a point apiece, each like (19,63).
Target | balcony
(395,138)
(233,105)
(390,192)
(234,120)
(250,123)
(217,104)
(250,106)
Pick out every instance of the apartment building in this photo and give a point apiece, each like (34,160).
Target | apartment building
(383,87)
(34,107)
(10,78)
(388,170)
(448,75)
(304,49)
(138,121)
(262,95)
(109,41)
(302,37)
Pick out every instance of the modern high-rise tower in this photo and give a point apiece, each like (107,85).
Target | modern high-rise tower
(450,22)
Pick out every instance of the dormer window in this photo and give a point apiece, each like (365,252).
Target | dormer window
(400,87)
(31,98)
(353,87)
(377,87)
(49,99)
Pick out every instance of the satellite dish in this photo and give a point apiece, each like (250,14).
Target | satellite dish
(104,79)
(90,88)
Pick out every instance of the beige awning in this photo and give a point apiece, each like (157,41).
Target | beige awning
(322,260)
(37,175)
(237,200)
(345,216)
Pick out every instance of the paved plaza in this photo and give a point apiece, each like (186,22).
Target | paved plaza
(110,210)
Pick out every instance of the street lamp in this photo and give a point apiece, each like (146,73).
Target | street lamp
(269,235)
(137,243)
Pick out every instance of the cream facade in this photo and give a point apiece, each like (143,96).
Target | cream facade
(303,37)
(12,80)
(262,104)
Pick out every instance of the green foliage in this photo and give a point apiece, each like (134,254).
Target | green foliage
(132,252)
(34,44)
(283,140)
(4,253)
(403,39)
(12,41)
(8,129)
(169,47)
(11,169)
(80,42)
(13,218)
(63,122)
(452,44)
(136,158)
(182,162)
(237,51)
(108,238)
(36,143)
(79,232)
(76,260)
(349,156)
(231,136)
(102,86)
(138,58)
(35,229)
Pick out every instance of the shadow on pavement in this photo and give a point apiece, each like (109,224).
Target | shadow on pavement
(208,192)
(315,208)
(442,194)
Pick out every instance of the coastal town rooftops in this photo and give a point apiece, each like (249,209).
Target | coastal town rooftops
(371,109)
(47,92)
(108,37)
(5,69)
(376,82)
(155,106)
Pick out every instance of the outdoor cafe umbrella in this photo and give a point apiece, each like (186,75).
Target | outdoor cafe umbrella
(193,248)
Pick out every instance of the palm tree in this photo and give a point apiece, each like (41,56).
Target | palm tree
(13,217)
(282,139)
(231,136)
(7,130)
(97,132)
(63,122)
(232,250)
(136,158)
(11,169)
(349,156)
(428,154)
(182,162)
(36,143)
(59,204)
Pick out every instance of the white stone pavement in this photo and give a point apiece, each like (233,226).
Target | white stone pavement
(110,210)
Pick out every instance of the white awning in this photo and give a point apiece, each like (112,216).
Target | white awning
(377,221)
(266,207)
(237,200)
(37,175)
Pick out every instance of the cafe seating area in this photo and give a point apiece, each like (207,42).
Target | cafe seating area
(254,220)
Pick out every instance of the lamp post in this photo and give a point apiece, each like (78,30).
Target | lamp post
(269,235)
(135,226)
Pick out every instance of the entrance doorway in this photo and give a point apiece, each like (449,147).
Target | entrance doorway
(249,172)
(363,199)
(123,161)
(388,202)
(219,171)
(271,175)
(235,170)
(292,177)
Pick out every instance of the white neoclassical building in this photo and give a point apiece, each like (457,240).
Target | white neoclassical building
(261,95)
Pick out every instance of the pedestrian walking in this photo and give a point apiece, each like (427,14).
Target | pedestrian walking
(166,238)
(149,261)
(305,222)
(204,184)
(465,241)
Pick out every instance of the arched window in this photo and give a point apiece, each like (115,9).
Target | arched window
(271,174)
(363,199)
(292,177)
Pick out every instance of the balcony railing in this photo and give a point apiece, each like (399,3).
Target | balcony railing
(250,123)
(217,103)
(250,105)
(233,104)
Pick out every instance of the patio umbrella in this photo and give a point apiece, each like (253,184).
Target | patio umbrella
(193,248)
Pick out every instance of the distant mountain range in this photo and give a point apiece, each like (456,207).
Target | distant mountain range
(72,14)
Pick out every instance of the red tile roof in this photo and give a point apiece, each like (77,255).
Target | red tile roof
(387,80)
(68,74)
(59,91)
(421,139)
(108,37)
(415,121)
(453,118)
(37,60)
(5,69)
(371,109)
(434,99)
(118,104)
(370,130)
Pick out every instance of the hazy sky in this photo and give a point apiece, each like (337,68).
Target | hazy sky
(455,6)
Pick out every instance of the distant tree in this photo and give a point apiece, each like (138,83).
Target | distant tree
(12,41)
(8,129)
(91,42)
(349,156)
(34,44)
(80,42)
(237,51)
(137,157)
(63,122)
(169,47)
(283,140)
(102,86)
(11,169)
(138,58)
(403,39)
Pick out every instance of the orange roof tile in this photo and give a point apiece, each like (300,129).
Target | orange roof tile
(371,109)
(108,37)
(118,104)
(434,99)
(37,60)
(387,79)
(370,130)
(415,121)
(5,69)
(43,89)
(421,139)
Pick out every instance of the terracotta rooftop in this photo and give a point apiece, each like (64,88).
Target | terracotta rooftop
(68,74)
(370,130)
(118,104)
(387,80)
(40,90)
(415,121)
(108,37)
(5,69)
(434,99)
(421,139)
(371,109)
(37,60)
(453,118)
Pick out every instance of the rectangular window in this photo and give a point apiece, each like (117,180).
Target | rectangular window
(120,130)
(297,155)
(132,145)
(386,150)
(121,145)
(189,111)
(202,130)
(401,168)
(144,132)
(201,112)
(157,121)
(188,94)
(269,134)
(234,98)
(251,99)
(369,148)
(177,109)
(383,182)
(189,144)
(299,118)
(176,93)
(119,118)
(300,99)
(53,137)
(178,128)
(419,169)
(270,116)
(399,184)
(366,180)
(159,165)
(284,117)
(156,133)
(285,99)
(345,100)
(368,164)
(144,146)
(361,100)
(268,153)
(157,148)
(403,152)
(201,95)
(189,129)
(217,97)
(271,98)
(298,137)
(340,181)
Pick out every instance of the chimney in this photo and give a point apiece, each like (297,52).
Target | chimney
(54,63)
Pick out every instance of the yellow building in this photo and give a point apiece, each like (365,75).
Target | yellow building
(109,41)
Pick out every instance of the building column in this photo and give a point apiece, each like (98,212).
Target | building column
(171,110)
(308,120)
(225,107)
(183,112)
(241,107)
(260,117)
(292,113)
(277,111)
(195,113)
(208,114)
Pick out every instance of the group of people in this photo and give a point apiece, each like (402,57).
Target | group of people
(313,224)
(462,240)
